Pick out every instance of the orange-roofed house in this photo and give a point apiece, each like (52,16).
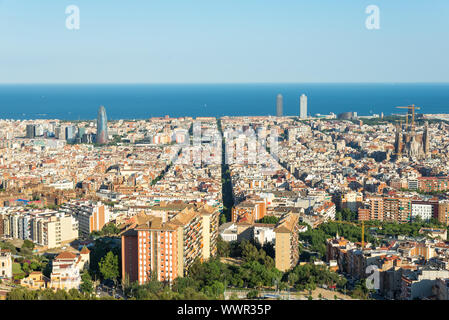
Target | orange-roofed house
(67,267)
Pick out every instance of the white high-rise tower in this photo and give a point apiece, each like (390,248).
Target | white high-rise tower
(279,105)
(303,106)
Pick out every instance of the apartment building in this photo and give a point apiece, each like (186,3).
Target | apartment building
(425,210)
(210,220)
(443,212)
(432,184)
(5,264)
(228,231)
(50,229)
(419,284)
(3,222)
(387,209)
(351,201)
(166,250)
(157,250)
(167,210)
(397,209)
(376,208)
(403,209)
(264,233)
(326,210)
(53,230)
(364,214)
(286,243)
(189,236)
(406,269)
(417,249)
(249,210)
(91,216)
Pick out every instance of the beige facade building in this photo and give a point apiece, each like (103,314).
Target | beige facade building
(91,216)
(286,243)
(55,230)
(35,281)
(5,264)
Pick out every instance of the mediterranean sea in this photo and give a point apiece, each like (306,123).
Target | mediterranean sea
(141,101)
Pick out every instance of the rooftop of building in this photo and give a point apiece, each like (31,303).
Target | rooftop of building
(287,223)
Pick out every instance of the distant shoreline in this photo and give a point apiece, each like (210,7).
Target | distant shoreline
(144,101)
(440,116)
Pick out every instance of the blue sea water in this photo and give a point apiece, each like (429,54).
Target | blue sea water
(81,102)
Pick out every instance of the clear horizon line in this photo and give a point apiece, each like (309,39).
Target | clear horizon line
(219,83)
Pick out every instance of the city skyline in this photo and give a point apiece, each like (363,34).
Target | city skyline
(76,102)
(242,150)
(176,192)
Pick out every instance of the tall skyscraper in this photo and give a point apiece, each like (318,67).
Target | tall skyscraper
(81,132)
(30,131)
(70,132)
(279,105)
(303,107)
(102,126)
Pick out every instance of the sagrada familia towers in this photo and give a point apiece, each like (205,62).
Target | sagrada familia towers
(411,144)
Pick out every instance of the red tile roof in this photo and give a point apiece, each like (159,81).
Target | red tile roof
(65,255)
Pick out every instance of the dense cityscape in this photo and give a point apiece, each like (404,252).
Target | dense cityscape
(333,207)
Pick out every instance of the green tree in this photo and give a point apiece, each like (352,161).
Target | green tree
(269,220)
(98,252)
(360,291)
(249,251)
(35,266)
(108,266)
(8,246)
(338,216)
(216,290)
(26,267)
(252,294)
(222,218)
(46,269)
(28,244)
(110,229)
(86,284)
(223,248)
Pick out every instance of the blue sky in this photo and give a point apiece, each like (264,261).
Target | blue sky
(211,41)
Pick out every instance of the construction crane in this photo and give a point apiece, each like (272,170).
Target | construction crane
(355,224)
(413,108)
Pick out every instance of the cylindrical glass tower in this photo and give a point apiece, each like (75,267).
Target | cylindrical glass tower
(102,126)
(279,105)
